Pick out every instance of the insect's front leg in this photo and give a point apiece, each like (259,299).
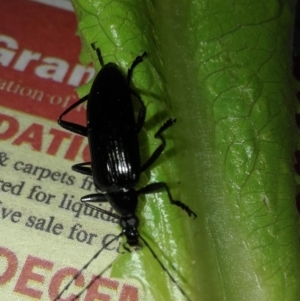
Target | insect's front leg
(98,198)
(160,186)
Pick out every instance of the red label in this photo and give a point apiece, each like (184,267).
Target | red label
(39,66)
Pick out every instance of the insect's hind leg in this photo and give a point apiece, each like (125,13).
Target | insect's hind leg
(161,185)
(70,126)
(142,113)
(137,60)
(97,50)
(160,148)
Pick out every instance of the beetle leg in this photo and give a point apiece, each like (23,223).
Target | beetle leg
(80,167)
(141,119)
(160,149)
(95,198)
(101,210)
(142,113)
(161,185)
(137,60)
(98,198)
(73,127)
(100,58)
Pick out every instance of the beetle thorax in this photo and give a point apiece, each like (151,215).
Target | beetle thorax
(129,226)
(124,202)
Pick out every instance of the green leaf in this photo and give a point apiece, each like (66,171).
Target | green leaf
(223,68)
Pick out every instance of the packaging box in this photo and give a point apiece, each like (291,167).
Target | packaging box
(47,234)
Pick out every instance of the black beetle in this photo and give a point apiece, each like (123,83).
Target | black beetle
(112,133)
(114,147)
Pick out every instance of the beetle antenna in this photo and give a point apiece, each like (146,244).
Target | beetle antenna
(92,281)
(85,267)
(165,269)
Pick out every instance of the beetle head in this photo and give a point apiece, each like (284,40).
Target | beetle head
(129,224)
